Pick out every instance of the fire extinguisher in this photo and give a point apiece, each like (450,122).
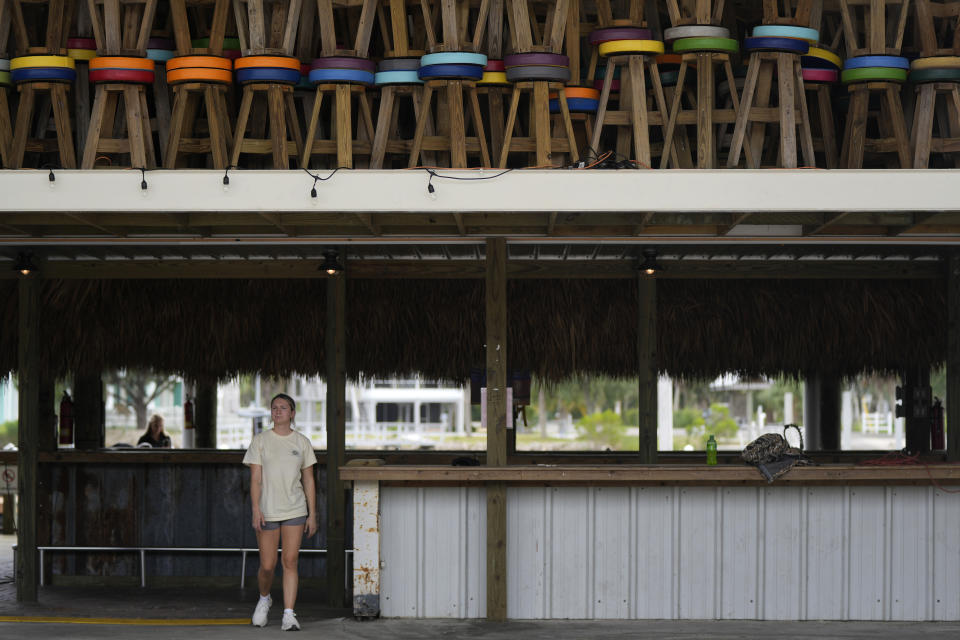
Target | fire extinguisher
(936,426)
(66,419)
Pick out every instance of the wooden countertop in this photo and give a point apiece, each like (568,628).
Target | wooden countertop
(656,475)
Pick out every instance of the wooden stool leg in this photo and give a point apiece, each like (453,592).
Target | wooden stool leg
(384,125)
(94,132)
(293,125)
(953,107)
(508,128)
(638,113)
(541,125)
(746,103)
(478,126)
(661,103)
(135,134)
(674,113)
(177,116)
(788,116)
(602,107)
(218,123)
(706,156)
(806,131)
(922,134)
(732,81)
(856,127)
(312,126)
(344,127)
(567,124)
(146,129)
(421,126)
(21,130)
(278,128)
(242,118)
(61,118)
(458,147)
(897,120)
(827,127)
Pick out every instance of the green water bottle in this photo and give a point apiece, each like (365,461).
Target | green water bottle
(711,450)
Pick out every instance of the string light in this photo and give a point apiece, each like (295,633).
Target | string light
(143,178)
(317,178)
(226,177)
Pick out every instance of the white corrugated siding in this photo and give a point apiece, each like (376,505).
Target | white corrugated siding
(772,553)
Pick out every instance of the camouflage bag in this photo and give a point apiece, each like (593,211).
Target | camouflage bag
(770,447)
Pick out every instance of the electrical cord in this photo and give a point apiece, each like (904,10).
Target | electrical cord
(901,458)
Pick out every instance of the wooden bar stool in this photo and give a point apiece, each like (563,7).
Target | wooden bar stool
(200,78)
(775,49)
(121,72)
(345,78)
(537,68)
(160,50)
(452,68)
(41,69)
(398,82)
(936,75)
(82,50)
(638,55)
(696,33)
(874,72)
(268,79)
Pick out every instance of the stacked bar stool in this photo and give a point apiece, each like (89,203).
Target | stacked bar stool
(703,43)
(42,71)
(537,69)
(775,48)
(821,71)
(635,49)
(453,67)
(345,76)
(874,68)
(199,77)
(269,70)
(121,73)
(936,76)
(669,66)
(397,79)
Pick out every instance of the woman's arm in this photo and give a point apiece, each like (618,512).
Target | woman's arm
(310,491)
(256,484)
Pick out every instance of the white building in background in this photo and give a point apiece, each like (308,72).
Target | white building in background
(9,400)
(381,413)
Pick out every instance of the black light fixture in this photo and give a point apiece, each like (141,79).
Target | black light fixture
(24,265)
(331,263)
(650,265)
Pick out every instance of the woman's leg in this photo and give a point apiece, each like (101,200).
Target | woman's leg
(291,537)
(268,542)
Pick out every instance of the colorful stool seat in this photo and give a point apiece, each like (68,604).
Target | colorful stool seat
(121,70)
(538,72)
(695,31)
(599,36)
(921,76)
(579,100)
(43,69)
(811,36)
(628,47)
(81,48)
(819,58)
(345,69)
(382,78)
(782,45)
(820,75)
(935,62)
(215,69)
(695,45)
(398,64)
(271,69)
(451,72)
(869,62)
(873,74)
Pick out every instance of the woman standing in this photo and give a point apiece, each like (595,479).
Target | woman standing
(154,436)
(284,500)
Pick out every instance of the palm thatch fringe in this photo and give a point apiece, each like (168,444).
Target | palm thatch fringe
(558,328)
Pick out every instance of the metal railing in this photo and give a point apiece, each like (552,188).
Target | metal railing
(144,550)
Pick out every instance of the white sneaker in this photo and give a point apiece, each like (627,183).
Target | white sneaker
(260,613)
(289,622)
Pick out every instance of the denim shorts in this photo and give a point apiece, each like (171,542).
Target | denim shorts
(292,522)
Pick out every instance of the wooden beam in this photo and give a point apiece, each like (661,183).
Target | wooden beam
(336,429)
(88,430)
(829,220)
(918,219)
(369,222)
(496,323)
(647,367)
(640,228)
(28,383)
(723,230)
(953,357)
(205,414)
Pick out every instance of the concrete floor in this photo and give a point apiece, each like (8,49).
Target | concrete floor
(148,613)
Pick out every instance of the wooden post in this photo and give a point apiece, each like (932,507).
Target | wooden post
(28,382)
(821,412)
(336,426)
(205,414)
(647,367)
(496,321)
(88,428)
(953,357)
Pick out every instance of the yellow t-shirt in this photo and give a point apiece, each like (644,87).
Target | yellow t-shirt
(282,459)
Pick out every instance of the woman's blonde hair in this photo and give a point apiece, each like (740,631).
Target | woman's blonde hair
(155,419)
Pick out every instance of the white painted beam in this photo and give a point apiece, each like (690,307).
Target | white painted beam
(360,191)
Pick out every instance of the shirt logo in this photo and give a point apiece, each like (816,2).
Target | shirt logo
(294,452)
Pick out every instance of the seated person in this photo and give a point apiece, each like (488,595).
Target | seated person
(154,435)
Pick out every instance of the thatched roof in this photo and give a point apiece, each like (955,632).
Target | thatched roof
(558,328)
